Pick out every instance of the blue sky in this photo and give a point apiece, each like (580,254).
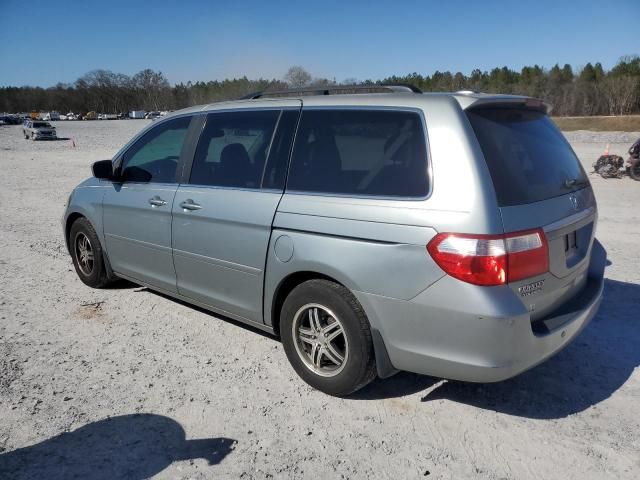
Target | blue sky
(45,42)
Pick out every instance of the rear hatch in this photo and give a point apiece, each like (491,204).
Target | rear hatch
(539,183)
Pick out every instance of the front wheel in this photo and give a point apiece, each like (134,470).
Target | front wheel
(634,170)
(86,253)
(327,338)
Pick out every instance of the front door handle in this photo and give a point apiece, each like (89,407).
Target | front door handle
(189,204)
(157,201)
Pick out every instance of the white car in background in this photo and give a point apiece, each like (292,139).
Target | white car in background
(49,116)
(38,130)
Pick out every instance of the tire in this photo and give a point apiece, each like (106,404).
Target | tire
(634,170)
(318,307)
(83,238)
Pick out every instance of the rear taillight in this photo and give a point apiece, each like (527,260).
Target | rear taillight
(491,259)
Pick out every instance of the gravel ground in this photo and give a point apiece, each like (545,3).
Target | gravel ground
(125,383)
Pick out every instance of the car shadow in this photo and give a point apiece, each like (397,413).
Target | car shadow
(128,446)
(122,284)
(57,139)
(218,316)
(400,385)
(596,364)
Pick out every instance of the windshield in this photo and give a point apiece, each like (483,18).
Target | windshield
(528,158)
(41,125)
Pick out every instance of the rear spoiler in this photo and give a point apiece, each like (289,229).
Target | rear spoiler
(470,101)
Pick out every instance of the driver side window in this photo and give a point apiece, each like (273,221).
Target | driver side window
(154,157)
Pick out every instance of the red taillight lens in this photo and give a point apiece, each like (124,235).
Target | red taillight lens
(491,259)
(528,254)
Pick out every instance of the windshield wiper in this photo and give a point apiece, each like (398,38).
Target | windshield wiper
(575,182)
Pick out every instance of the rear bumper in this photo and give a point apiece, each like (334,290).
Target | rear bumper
(460,331)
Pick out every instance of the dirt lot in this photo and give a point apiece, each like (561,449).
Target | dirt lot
(125,383)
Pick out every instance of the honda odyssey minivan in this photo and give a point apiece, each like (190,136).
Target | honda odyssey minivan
(371,229)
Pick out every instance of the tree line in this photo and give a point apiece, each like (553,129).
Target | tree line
(589,90)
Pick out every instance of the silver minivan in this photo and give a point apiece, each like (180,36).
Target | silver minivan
(371,229)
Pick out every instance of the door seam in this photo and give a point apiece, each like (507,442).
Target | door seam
(275,212)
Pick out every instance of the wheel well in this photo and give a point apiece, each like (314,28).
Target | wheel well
(285,288)
(67,229)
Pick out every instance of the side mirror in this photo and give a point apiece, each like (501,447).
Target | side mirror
(103,170)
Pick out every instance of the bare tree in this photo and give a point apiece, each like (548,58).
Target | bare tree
(152,87)
(297,77)
(620,93)
(350,81)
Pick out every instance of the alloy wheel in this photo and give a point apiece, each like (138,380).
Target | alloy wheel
(84,254)
(320,340)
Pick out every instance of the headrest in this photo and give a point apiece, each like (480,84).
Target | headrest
(234,155)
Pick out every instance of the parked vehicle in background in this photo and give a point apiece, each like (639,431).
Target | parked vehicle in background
(152,115)
(50,116)
(451,235)
(90,116)
(10,119)
(72,116)
(38,130)
(137,114)
(123,116)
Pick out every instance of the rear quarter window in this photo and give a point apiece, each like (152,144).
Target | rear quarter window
(528,158)
(360,153)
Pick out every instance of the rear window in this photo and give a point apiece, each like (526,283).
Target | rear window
(360,153)
(528,158)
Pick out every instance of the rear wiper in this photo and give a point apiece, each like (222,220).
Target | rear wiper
(575,182)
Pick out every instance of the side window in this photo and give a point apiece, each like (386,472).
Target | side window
(360,152)
(233,149)
(154,157)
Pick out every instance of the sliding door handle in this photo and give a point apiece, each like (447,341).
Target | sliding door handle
(189,204)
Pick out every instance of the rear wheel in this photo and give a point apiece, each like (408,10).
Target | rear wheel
(327,338)
(86,253)
(634,170)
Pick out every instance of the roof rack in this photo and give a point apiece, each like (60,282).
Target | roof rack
(334,90)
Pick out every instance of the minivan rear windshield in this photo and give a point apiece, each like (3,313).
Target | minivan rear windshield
(528,158)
